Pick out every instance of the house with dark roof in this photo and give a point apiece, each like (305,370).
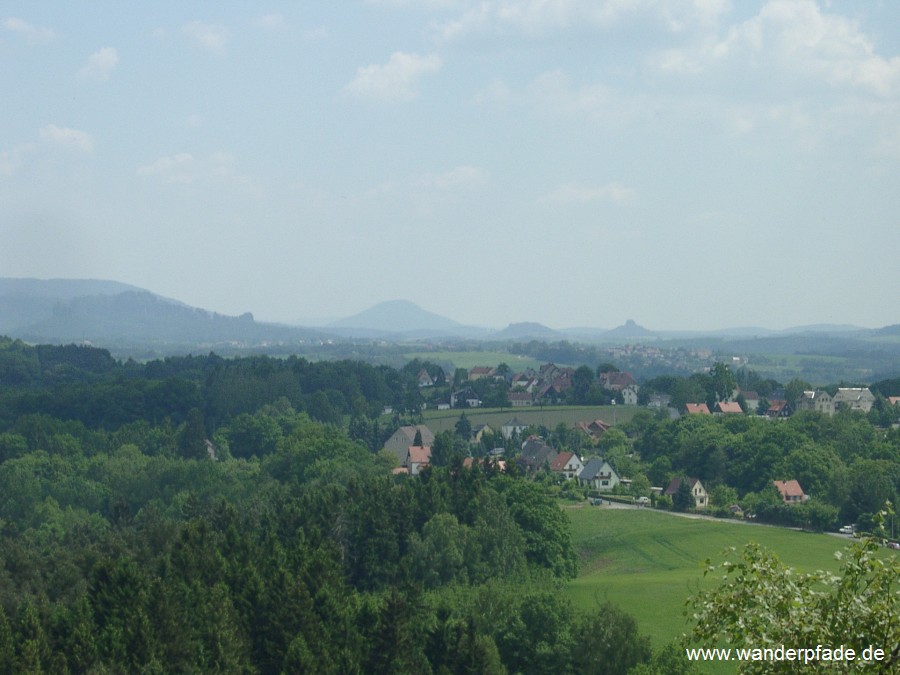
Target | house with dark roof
(593,429)
(567,464)
(790,491)
(598,475)
(465,396)
(701,498)
(536,454)
(480,430)
(779,408)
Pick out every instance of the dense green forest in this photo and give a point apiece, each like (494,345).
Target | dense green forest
(203,514)
(124,547)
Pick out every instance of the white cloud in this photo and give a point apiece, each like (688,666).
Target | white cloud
(421,4)
(797,39)
(274,21)
(34,34)
(395,80)
(99,65)
(72,138)
(539,17)
(459,177)
(573,193)
(178,168)
(464,177)
(218,170)
(207,35)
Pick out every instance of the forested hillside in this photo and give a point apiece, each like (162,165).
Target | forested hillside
(125,547)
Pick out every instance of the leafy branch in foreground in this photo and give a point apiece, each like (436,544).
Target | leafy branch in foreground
(762,603)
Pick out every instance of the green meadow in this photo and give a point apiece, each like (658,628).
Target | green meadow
(649,562)
(548,416)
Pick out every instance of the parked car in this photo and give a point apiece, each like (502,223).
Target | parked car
(642,501)
(894,545)
(847,529)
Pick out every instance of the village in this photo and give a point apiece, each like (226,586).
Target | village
(585,458)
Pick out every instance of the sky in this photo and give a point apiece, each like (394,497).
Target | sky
(689,164)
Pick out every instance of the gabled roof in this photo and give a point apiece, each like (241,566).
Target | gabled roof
(776,407)
(894,400)
(696,409)
(410,433)
(559,462)
(617,380)
(593,468)
(729,407)
(676,483)
(599,425)
(535,452)
(789,488)
(419,455)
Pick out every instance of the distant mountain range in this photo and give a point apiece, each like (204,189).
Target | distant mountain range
(112,313)
(107,313)
(400,319)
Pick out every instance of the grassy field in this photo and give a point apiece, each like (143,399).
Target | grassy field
(649,563)
(550,416)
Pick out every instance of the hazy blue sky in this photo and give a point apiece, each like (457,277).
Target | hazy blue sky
(685,163)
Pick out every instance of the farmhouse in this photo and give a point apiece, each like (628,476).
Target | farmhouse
(854,398)
(818,400)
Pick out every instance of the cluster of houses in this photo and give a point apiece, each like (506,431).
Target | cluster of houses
(532,387)
(411,445)
(596,474)
(846,398)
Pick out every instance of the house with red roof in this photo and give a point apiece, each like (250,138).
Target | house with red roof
(696,409)
(790,491)
(568,464)
(728,408)
(779,408)
(417,458)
